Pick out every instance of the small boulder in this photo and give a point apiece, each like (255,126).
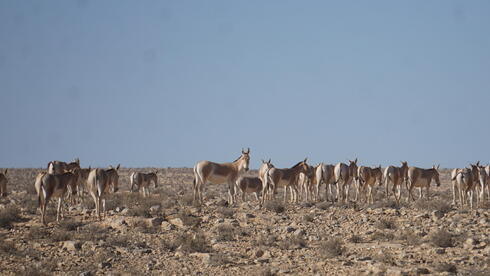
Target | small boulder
(72,246)
(154,222)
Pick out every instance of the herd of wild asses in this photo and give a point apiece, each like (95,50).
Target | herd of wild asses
(68,180)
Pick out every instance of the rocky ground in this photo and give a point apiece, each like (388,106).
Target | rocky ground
(166,235)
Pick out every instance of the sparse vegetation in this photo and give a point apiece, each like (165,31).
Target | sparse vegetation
(225,232)
(382,236)
(383,224)
(308,218)
(265,240)
(293,242)
(355,239)
(442,238)
(446,267)
(275,206)
(226,212)
(433,205)
(323,205)
(9,215)
(196,242)
(332,248)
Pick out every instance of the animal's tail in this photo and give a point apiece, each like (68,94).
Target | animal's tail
(97,184)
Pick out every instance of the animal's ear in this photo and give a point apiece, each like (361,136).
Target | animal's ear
(355,161)
(248,150)
(89,168)
(77,161)
(269,160)
(306,159)
(478,163)
(438,165)
(117,168)
(6,170)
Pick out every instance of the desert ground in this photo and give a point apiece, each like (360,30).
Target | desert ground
(166,234)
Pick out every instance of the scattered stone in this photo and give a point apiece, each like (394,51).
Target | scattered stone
(438,214)
(166,226)
(422,270)
(290,229)
(299,232)
(105,265)
(86,273)
(72,245)
(154,222)
(155,208)
(177,222)
(440,250)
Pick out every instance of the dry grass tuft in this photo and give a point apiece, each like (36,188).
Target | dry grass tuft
(196,242)
(275,206)
(293,242)
(225,232)
(8,216)
(442,238)
(332,248)
(383,224)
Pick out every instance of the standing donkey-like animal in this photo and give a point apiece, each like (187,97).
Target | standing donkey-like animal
(344,175)
(143,181)
(421,178)
(287,178)
(3,183)
(219,173)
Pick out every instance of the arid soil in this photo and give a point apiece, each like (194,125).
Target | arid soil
(166,235)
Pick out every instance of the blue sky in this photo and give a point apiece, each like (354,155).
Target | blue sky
(168,83)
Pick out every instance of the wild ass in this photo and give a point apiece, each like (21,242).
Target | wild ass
(466,185)
(474,170)
(219,173)
(344,175)
(98,183)
(367,178)
(306,182)
(52,185)
(143,180)
(266,165)
(324,174)
(396,176)
(3,183)
(286,178)
(249,185)
(482,185)
(421,178)
(113,177)
(58,167)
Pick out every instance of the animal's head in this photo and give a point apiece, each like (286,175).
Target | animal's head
(244,160)
(267,164)
(436,175)
(353,168)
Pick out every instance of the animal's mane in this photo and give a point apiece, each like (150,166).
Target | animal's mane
(297,165)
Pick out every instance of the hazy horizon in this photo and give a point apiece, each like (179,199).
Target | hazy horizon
(169,83)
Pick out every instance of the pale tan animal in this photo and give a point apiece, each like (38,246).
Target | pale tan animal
(344,176)
(98,185)
(266,165)
(58,167)
(286,178)
(219,173)
(307,182)
(474,169)
(482,186)
(466,186)
(395,176)
(324,174)
(249,185)
(113,177)
(367,179)
(82,182)
(143,181)
(52,185)
(421,178)
(3,183)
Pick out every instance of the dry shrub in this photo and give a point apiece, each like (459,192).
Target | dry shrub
(332,248)
(356,239)
(139,211)
(385,257)
(60,235)
(196,242)
(385,224)
(308,218)
(410,238)
(187,200)
(265,240)
(70,225)
(37,233)
(119,241)
(9,215)
(225,232)
(218,259)
(433,205)
(188,219)
(382,236)
(442,238)
(446,267)
(275,206)
(226,212)
(323,205)
(91,232)
(267,272)
(8,248)
(293,242)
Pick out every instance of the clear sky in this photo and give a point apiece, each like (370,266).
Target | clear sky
(169,83)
